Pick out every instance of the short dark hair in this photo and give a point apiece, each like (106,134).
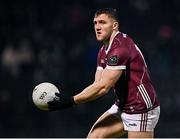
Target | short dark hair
(109,11)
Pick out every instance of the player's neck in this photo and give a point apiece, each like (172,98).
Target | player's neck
(109,41)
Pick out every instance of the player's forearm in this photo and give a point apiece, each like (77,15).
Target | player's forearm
(90,93)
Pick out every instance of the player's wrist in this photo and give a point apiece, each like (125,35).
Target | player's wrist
(61,102)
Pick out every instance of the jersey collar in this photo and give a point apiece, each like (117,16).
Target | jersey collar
(109,47)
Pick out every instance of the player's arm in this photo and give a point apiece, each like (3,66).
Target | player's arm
(108,78)
(98,75)
(104,80)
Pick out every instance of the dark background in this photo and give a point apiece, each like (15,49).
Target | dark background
(54,41)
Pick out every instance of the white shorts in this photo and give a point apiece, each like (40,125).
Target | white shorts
(137,122)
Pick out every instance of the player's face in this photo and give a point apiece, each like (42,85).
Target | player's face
(103,25)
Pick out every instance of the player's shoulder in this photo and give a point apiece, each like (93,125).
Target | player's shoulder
(124,41)
(123,37)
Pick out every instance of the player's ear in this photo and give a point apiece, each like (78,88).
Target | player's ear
(115,25)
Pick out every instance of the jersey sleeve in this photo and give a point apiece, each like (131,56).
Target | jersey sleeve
(118,58)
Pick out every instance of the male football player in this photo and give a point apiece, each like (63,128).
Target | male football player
(121,66)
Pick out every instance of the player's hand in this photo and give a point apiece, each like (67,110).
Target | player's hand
(60,102)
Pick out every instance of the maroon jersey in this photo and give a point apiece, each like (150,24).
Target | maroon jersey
(134,88)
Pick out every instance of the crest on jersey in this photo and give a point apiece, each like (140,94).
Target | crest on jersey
(113,60)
